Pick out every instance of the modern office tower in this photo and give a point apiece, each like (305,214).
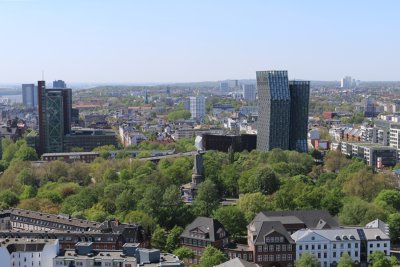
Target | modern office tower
(224,86)
(282,111)
(274,110)
(55,107)
(346,82)
(299,99)
(249,92)
(59,84)
(29,95)
(197,107)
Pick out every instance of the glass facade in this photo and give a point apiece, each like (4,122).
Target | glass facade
(299,98)
(282,111)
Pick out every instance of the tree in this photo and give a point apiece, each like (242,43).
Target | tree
(125,201)
(252,203)
(159,238)
(141,218)
(356,211)
(307,260)
(173,238)
(173,211)
(25,153)
(394,226)
(335,160)
(264,181)
(233,219)
(206,200)
(184,253)
(345,261)
(379,259)
(364,184)
(211,257)
(8,199)
(389,197)
(178,114)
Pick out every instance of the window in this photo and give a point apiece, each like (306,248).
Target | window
(278,248)
(312,247)
(356,253)
(319,255)
(300,247)
(283,247)
(271,258)
(259,248)
(271,248)
(259,258)
(384,245)
(325,255)
(276,239)
(289,247)
(283,257)
(278,257)
(334,254)
(325,246)
(289,265)
(319,246)
(356,245)
(267,240)
(306,247)
(265,248)
(265,257)
(334,246)
(370,245)
(281,239)
(289,258)
(349,245)
(378,245)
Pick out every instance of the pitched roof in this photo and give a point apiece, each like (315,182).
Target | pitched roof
(236,262)
(205,225)
(263,228)
(313,219)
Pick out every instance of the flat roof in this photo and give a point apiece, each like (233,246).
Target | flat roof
(69,154)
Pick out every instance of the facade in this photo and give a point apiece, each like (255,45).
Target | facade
(71,156)
(274,110)
(224,86)
(299,98)
(237,143)
(59,84)
(282,111)
(249,92)
(197,107)
(84,255)
(55,107)
(88,139)
(329,244)
(374,155)
(28,252)
(346,82)
(201,233)
(271,244)
(29,95)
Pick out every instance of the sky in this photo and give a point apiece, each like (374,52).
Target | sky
(160,41)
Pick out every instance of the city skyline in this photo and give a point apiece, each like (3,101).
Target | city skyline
(175,41)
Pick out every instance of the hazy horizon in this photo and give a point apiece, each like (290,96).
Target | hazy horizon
(176,41)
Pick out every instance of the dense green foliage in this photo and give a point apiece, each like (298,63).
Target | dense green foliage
(307,260)
(148,193)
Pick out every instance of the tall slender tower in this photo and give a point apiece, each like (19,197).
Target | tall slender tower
(299,99)
(54,109)
(273,110)
(282,111)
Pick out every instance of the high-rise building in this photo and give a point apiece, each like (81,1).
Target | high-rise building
(197,107)
(55,106)
(282,111)
(29,95)
(249,92)
(299,98)
(224,86)
(59,84)
(346,82)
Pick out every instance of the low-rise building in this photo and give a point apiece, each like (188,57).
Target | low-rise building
(201,233)
(28,252)
(70,157)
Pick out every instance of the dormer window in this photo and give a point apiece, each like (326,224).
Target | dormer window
(267,239)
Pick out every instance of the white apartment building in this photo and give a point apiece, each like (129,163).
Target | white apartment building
(329,244)
(28,252)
